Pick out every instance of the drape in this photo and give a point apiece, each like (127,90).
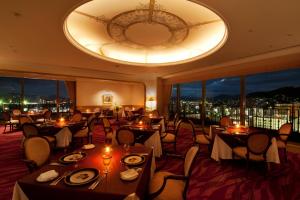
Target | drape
(71,89)
(166,94)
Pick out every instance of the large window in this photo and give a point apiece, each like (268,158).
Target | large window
(223,98)
(33,94)
(9,93)
(190,99)
(273,99)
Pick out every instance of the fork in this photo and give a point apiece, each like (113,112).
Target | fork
(96,183)
(60,178)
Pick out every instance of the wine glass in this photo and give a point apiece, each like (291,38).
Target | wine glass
(106,159)
(126,147)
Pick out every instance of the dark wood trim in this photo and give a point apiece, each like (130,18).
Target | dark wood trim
(203,113)
(242,100)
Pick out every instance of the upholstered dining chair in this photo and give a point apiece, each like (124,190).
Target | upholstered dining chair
(37,152)
(171,137)
(257,145)
(86,132)
(284,131)
(30,130)
(76,117)
(146,120)
(107,129)
(46,116)
(171,124)
(225,121)
(202,138)
(166,185)
(16,114)
(126,136)
(25,119)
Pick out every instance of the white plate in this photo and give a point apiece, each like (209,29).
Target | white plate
(40,179)
(88,146)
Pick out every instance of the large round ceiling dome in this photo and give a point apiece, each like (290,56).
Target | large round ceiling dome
(145,32)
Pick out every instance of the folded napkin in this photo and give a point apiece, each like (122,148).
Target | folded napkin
(88,146)
(47,176)
(129,174)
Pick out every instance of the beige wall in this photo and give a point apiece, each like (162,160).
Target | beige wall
(90,92)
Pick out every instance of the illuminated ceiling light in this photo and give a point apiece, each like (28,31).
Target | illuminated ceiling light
(145,32)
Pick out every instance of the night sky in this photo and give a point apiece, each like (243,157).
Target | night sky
(227,86)
(254,83)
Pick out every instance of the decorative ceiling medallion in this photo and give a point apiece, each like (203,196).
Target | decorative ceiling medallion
(145,32)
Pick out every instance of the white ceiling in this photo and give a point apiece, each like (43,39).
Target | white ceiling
(32,40)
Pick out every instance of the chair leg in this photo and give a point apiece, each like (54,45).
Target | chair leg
(285,155)
(4,128)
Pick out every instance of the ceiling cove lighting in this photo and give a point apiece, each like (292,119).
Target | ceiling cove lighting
(145,32)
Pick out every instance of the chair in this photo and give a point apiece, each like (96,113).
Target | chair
(171,125)
(16,114)
(146,120)
(76,117)
(25,119)
(170,137)
(86,131)
(30,130)
(226,121)
(107,129)
(155,113)
(46,116)
(37,152)
(126,136)
(8,121)
(166,185)
(258,144)
(284,132)
(203,138)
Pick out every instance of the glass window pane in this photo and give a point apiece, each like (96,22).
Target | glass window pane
(223,98)
(9,93)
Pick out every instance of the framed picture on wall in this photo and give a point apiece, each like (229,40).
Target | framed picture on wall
(107,99)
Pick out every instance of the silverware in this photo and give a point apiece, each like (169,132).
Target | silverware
(96,183)
(66,173)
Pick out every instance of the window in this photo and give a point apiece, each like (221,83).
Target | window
(9,93)
(223,98)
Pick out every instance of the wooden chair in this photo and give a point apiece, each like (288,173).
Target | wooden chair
(171,137)
(46,116)
(8,121)
(107,129)
(126,136)
(171,125)
(37,152)
(30,130)
(25,119)
(226,121)
(284,132)
(86,132)
(166,185)
(76,117)
(258,144)
(202,138)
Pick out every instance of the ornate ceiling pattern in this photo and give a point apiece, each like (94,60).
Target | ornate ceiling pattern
(146,32)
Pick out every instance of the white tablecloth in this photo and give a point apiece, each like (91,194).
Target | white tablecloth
(222,151)
(63,137)
(152,142)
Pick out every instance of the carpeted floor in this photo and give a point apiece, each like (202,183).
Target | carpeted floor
(210,180)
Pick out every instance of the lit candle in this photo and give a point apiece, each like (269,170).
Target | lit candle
(87,110)
(107,150)
(140,122)
(150,115)
(62,120)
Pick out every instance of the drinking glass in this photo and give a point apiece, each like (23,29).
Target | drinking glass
(106,159)
(126,148)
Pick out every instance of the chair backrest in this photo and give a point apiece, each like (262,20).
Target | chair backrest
(16,112)
(225,121)
(146,120)
(286,130)
(155,113)
(189,159)
(29,130)
(37,149)
(47,115)
(6,116)
(258,143)
(125,136)
(76,117)
(45,110)
(25,119)
(187,125)
(91,125)
(106,123)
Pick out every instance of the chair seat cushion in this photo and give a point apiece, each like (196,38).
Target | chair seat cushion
(138,145)
(201,139)
(82,133)
(40,120)
(242,151)
(50,138)
(281,144)
(173,189)
(14,121)
(169,138)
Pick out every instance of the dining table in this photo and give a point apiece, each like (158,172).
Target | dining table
(225,140)
(110,186)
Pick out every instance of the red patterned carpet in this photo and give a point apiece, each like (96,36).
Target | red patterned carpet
(210,180)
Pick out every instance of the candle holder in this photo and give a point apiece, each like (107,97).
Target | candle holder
(106,159)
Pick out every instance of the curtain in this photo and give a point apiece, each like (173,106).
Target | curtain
(166,94)
(71,88)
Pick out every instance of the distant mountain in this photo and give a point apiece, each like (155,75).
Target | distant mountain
(289,92)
